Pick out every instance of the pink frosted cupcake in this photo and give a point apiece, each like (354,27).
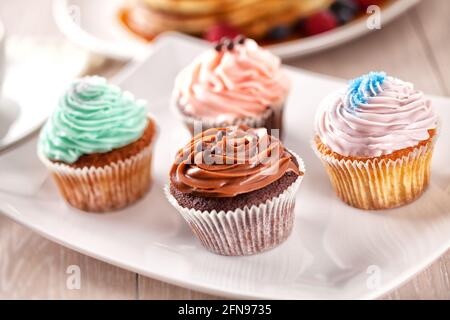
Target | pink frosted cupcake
(376,140)
(235,83)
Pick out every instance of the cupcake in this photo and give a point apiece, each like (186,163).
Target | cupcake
(97,145)
(376,139)
(235,83)
(236,189)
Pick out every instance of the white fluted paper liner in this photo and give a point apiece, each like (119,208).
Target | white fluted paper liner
(247,230)
(100,189)
(380,184)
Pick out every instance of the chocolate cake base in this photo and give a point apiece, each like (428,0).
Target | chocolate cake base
(192,201)
(249,227)
(245,224)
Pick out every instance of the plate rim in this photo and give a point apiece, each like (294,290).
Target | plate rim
(287,50)
(81,37)
(7,98)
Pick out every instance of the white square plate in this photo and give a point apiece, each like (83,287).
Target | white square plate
(335,251)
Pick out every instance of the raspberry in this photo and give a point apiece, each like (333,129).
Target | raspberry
(319,22)
(364,4)
(218,31)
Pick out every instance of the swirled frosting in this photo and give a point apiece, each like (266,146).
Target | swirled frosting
(92,117)
(225,162)
(228,84)
(376,115)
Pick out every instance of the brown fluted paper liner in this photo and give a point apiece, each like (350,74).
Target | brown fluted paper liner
(107,188)
(244,231)
(380,184)
(271,119)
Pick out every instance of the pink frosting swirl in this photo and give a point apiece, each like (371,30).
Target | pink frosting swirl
(397,117)
(230,84)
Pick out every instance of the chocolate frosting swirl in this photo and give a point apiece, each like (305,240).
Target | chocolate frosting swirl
(225,162)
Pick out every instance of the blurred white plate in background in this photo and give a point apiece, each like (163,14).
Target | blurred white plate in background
(37,70)
(94,24)
(334,252)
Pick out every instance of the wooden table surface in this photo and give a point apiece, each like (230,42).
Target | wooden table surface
(415,47)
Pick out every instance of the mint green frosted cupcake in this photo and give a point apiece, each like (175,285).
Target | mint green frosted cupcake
(97,145)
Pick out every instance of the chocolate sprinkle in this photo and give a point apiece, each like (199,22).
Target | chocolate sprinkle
(240,39)
(226,42)
(229,44)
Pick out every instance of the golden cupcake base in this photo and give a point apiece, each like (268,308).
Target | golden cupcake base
(106,188)
(101,182)
(379,183)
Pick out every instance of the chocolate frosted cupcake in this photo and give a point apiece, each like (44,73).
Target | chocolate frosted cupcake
(97,145)
(235,83)
(376,141)
(236,189)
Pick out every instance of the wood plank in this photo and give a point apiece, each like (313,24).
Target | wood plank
(35,268)
(433,283)
(433,23)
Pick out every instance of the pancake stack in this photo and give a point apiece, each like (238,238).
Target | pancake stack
(254,18)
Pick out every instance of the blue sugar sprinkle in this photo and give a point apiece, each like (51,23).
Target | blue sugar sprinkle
(360,89)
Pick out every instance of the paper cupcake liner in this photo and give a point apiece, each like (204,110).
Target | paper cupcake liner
(104,188)
(244,231)
(271,119)
(380,184)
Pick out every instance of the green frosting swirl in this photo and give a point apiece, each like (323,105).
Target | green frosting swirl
(92,117)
